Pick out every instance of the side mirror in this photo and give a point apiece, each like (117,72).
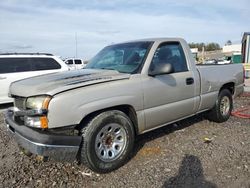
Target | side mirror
(160,69)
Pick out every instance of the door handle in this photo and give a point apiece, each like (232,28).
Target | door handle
(189,81)
(2,78)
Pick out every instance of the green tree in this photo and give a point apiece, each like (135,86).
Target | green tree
(229,42)
(212,46)
(208,47)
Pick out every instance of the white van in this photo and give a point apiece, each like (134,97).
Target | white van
(17,66)
(75,64)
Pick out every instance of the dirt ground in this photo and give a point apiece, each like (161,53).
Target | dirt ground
(173,156)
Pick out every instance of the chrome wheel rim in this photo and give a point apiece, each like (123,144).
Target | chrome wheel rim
(225,105)
(110,142)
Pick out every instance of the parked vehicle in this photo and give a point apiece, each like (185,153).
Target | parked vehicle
(127,89)
(17,66)
(216,61)
(210,62)
(223,61)
(75,64)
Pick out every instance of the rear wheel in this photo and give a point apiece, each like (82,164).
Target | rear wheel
(108,141)
(223,107)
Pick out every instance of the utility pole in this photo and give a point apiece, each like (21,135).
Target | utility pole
(76,44)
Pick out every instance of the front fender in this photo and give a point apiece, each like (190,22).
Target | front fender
(62,113)
(69,108)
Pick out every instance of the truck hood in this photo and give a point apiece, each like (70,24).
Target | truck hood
(51,84)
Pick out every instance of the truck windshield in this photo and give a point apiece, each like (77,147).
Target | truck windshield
(126,57)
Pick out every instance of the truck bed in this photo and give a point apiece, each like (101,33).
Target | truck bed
(213,77)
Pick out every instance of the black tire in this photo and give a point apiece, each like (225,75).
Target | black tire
(92,133)
(216,114)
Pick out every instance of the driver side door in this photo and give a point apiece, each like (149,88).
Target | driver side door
(169,97)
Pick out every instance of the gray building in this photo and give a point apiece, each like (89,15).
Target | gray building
(246,47)
(246,52)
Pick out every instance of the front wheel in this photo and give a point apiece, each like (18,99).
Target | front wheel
(108,141)
(223,107)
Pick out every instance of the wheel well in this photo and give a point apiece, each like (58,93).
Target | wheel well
(229,86)
(127,109)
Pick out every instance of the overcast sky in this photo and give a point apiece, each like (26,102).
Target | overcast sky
(51,25)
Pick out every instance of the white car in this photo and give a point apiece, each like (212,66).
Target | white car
(75,64)
(222,62)
(17,66)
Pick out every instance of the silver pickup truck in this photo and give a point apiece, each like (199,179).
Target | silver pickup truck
(94,114)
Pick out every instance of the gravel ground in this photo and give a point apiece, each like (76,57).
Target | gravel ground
(173,156)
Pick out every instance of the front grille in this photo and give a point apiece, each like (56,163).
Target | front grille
(19,102)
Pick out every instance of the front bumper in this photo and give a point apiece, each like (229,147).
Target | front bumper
(60,147)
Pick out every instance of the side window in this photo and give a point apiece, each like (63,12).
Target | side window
(10,65)
(44,64)
(78,62)
(69,62)
(171,53)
